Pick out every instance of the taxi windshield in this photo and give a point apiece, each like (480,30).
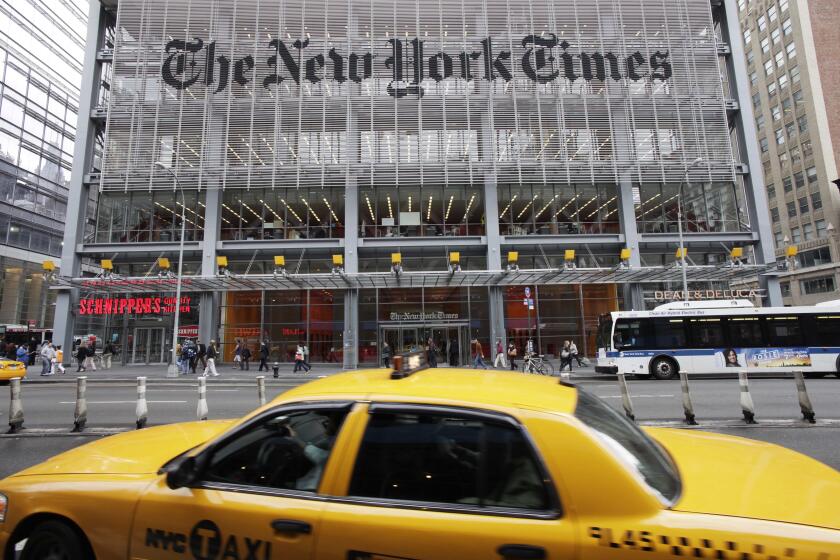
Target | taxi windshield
(631,445)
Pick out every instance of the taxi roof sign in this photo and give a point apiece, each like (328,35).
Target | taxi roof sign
(408,363)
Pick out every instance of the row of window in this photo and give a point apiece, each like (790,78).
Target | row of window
(817,286)
(817,230)
(728,332)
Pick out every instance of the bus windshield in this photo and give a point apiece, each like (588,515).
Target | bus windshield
(605,324)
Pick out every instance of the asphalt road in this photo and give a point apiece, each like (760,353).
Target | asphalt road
(716,404)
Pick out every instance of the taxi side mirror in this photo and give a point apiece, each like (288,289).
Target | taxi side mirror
(181,473)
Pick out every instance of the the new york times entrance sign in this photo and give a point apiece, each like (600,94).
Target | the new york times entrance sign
(546,59)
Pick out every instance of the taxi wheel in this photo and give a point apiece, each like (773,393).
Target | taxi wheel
(54,540)
(663,368)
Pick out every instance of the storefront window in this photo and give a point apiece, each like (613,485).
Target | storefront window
(557,209)
(421,211)
(282,214)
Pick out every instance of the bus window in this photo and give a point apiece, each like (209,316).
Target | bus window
(745,332)
(632,333)
(707,333)
(825,331)
(783,331)
(669,333)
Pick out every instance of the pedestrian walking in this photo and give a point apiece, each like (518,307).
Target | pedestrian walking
(33,351)
(108,355)
(58,361)
(453,354)
(500,354)
(306,357)
(478,354)
(237,354)
(212,353)
(245,353)
(387,353)
(81,356)
(511,352)
(566,356)
(300,363)
(90,352)
(22,354)
(431,353)
(264,355)
(47,357)
(574,355)
(200,355)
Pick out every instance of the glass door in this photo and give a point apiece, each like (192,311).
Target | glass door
(155,353)
(141,346)
(410,341)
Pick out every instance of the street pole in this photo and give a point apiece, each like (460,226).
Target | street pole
(680,229)
(172,370)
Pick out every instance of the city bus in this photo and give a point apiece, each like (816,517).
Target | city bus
(720,337)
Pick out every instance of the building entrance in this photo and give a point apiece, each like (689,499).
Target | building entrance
(147,346)
(451,340)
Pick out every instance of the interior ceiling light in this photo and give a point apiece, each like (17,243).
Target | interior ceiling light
(512,200)
(527,206)
(469,205)
(566,205)
(290,209)
(327,202)
(448,208)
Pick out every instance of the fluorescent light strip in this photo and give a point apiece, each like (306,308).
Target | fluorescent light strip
(566,205)
(512,200)
(229,209)
(409,203)
(290,209)
(305,203)
(331,210)
(604,205)
(270,209)
(370,209)
(390,209)
(527,206)
(429,211)
(448,208)
(544,208)
(251,210)
(469,205)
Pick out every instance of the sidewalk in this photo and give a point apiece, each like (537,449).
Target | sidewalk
(156,373)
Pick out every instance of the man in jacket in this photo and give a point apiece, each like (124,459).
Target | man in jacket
(47,355)
(200,356)
(264,355)
(212,353)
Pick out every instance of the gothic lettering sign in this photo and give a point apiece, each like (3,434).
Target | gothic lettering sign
(135,305)
(420,316)
(545,59)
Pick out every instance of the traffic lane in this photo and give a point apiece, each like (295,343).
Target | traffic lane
(822,444)
(113,406)
(719,399)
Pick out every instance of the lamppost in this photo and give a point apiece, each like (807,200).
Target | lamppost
(172,370)
(679,225)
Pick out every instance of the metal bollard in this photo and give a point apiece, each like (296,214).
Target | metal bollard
(804,401)
(141,412)
(625,397)
(201,411)
(15,407)
(747,406)
(261,389)
(80,413)
(276,368)
(688,408)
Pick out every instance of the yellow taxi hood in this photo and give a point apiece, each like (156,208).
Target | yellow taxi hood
(137,452)
(728,475)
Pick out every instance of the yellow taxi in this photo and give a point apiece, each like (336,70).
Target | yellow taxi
(438,464)
(9,369)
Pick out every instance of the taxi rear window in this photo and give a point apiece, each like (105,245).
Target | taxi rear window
(631,445)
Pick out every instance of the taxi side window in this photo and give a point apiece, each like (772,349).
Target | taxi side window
(287,452)
(448,459)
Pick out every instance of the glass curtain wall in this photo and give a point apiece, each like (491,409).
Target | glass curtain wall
(282,214)
(138,217)
(558,209)
(707,207)
(421,211)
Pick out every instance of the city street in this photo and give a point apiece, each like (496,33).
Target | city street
(716,404)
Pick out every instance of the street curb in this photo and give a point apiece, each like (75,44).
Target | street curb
(709,425)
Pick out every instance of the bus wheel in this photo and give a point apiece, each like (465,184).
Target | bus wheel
(663,368)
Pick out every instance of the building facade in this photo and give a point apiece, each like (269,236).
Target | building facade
(353,172)
(792,60)
(41,48)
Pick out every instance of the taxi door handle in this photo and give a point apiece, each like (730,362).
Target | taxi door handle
(291,526)
(521,551)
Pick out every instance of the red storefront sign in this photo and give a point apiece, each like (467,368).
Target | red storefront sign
(135,305)
(189,331)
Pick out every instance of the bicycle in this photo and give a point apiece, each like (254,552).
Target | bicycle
(536,363)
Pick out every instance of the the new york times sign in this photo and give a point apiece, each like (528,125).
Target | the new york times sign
(545,59)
